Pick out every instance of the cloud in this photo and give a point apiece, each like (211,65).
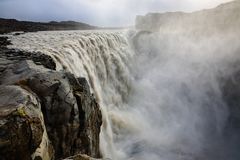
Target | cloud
(97,12)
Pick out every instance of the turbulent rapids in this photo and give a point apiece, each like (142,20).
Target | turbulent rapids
(160,94)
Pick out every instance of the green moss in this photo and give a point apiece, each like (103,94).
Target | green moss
(21,112)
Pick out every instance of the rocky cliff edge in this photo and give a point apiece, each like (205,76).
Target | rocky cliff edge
(44,114)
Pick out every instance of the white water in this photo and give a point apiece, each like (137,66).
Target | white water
(162,101)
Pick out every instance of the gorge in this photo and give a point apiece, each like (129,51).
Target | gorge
(167,90)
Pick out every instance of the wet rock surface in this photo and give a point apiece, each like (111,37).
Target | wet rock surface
(44,114)
(21,126)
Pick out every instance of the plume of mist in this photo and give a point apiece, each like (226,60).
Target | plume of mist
(176,109)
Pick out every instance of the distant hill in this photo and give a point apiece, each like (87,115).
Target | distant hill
(225,17)
(13,25)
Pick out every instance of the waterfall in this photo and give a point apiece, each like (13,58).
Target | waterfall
(160,93)
(101,57)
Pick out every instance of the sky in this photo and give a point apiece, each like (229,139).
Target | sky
(105,13)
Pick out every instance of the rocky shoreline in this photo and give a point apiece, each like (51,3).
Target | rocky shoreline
(44,114)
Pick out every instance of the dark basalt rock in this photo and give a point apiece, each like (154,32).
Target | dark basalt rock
(44,114)
(71,114)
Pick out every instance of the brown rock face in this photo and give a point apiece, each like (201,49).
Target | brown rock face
(21,123)
(71,115)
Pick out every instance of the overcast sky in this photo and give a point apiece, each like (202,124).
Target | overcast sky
(96,12)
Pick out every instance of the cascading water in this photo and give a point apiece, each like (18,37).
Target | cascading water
(101,57)
(161,100)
